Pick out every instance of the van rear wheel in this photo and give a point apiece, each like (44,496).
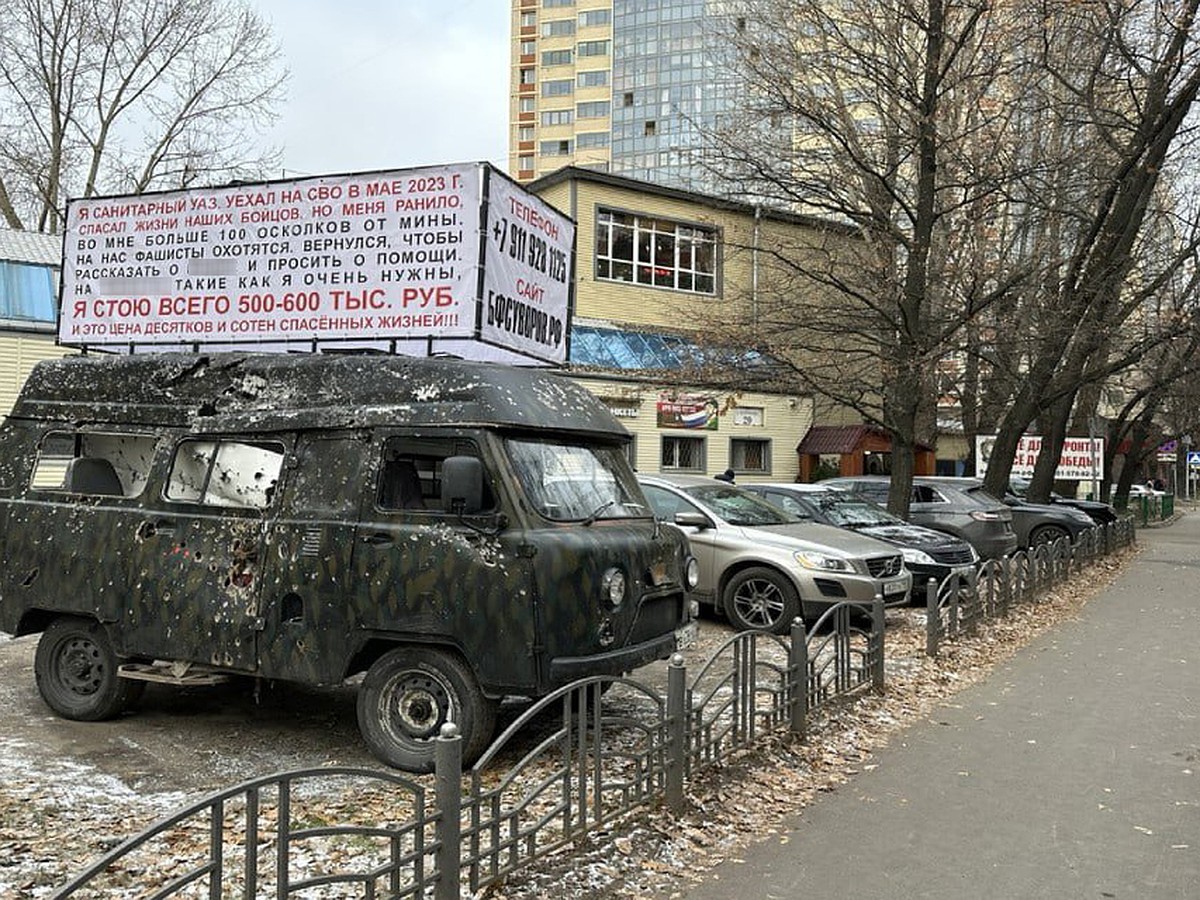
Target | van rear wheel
(406,697)
(76,672)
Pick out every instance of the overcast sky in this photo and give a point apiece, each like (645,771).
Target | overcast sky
(382,85)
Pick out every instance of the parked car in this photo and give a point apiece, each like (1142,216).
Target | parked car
(1035,523)
(927,553)
(964,510)
(764,567)
(1100,513)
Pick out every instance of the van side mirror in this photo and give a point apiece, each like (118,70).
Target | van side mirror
(462,485)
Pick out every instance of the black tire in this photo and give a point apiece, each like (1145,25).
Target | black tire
(76,672)
(1047,534)
(406,697)
(761,599)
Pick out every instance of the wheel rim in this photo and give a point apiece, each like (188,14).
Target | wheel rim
(758,603)
(415,704)
(80,666)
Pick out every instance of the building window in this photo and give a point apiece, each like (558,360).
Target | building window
(560,88)
(682,454)
(558,2)
(528,19)
(592,139)
(555,148)
(556,58)
(591,17)
(551,117)
(593,48)
(527,105)
(751,455)
(559,28)
(598,78)
(656,252)
(528,76)
(627,98)
(525,133)
(593,109)
(525,164)
(649,128)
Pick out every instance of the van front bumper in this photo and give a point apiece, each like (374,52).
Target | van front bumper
(565,669)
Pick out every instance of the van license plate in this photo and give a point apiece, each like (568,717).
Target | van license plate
(687,636)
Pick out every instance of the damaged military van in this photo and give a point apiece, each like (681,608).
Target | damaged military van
(455,533)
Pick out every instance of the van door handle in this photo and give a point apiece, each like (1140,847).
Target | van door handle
(379,538)
(149,529)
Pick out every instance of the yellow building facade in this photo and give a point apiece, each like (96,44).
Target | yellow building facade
(661,264)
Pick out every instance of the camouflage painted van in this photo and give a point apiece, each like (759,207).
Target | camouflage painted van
(459,532)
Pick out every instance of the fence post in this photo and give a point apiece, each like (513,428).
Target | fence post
(677,717)
(933,618)
(877,626)
(447,766)
(798,667)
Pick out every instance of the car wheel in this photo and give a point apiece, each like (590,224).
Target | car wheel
(761,599)
(406,697)
(76,672)
(1047,534)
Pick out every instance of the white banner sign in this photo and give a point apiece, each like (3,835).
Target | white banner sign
(375,256)
(1075,463)
(527,272)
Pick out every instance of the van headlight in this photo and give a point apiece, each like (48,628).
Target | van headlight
(822,562)
(691,573)
(612,587)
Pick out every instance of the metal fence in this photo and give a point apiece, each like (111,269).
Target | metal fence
(588,754)
(961,601)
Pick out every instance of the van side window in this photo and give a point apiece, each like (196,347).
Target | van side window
(94,464)
(225,473)
(410,476)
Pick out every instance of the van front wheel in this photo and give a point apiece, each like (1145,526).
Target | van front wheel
(406,697)
(76,672)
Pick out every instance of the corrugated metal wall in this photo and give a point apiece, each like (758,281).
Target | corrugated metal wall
(18,354)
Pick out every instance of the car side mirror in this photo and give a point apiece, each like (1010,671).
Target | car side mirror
(693,519)
(462,485)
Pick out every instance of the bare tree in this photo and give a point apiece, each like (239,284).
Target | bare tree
(1108,115)
(880,118)
(125,96)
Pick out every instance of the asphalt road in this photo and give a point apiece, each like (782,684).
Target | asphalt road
(1073,771)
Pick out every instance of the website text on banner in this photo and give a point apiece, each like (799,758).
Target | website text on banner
(383,255)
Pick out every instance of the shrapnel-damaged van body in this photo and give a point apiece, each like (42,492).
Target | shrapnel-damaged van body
(459,532)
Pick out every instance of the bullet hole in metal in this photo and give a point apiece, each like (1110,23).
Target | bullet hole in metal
(30,578)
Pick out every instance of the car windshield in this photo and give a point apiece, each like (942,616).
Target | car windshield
(577,482)
(738,507)
(848,512)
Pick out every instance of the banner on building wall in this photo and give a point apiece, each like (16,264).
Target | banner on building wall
(440,252)
(1081,459)
(691,411)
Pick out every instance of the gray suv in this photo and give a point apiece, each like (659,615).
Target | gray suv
(763,566)
(963,509)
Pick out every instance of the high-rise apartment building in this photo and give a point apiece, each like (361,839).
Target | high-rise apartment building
(622,86)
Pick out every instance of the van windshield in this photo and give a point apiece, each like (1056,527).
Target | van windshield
(577,482)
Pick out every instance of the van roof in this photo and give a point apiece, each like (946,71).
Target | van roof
(264,392)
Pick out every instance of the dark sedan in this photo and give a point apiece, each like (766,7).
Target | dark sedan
(927,553)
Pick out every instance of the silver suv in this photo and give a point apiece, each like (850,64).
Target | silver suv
(763,566)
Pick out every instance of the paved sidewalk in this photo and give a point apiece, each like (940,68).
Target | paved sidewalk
(1073,771)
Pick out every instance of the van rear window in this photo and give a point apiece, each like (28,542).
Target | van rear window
(94,463)
(225,473)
